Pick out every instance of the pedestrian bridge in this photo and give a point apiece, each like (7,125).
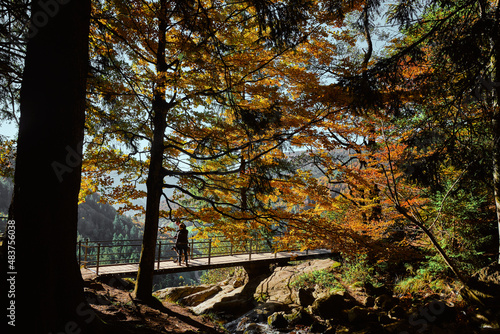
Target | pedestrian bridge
(109,258)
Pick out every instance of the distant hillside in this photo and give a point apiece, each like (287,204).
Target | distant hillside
(6,188)
(96,221)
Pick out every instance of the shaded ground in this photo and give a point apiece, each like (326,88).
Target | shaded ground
(113,304)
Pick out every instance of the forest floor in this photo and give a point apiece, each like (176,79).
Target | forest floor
(115,307)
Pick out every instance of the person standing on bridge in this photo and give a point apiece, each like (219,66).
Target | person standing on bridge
(181,242)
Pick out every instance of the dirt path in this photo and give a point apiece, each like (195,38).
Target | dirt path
(114,305)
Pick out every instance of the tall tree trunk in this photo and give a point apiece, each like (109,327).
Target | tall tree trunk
(45,281)
(496,123)
(496,167)
(144,285)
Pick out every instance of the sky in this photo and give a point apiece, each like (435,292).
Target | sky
(8,129)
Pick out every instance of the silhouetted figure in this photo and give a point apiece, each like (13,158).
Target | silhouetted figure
(181,242)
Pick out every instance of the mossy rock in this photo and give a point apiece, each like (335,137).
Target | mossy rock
(299,317)
(277,320)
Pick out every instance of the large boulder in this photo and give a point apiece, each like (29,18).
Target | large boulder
(276,288)
(176,293)
(385,302)
(331,307)
(228,295)
(305,297)
(199,297)
(299,316)
(277,320)
(234,301)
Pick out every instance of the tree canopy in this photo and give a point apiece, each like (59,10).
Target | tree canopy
(288,120)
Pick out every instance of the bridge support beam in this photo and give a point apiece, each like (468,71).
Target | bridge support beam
(256,269)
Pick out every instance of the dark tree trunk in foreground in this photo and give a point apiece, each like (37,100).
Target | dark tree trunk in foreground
(496,123)
(48,284)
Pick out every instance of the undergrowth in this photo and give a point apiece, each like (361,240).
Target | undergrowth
(218,275)
(355,271)
(324,279)
(426,280)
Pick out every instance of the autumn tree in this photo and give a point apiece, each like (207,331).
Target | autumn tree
(363,183)
(195,89)
(221,102)
(451,54)
(428,81)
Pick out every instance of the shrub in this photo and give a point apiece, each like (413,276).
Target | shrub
(218,275)
(357,271)
(324,278)
(425,282)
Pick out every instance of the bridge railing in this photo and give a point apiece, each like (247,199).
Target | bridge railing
(97,254)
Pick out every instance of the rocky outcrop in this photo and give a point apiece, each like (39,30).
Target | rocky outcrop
(233,296)
(176,293)
(227,299)
(331,306)
(277,287)
(483,291)
(199,297)
(271,303)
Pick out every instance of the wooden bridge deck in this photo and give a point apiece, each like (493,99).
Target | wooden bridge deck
(169,266)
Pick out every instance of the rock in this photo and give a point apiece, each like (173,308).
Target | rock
(330,330)
(277,320)
(305,297)
(176,293)
(373,291)
(234,305)
(260,315)
(230,301)
(268,308)
(369,301)
(329,306)
(277,288)
(357,314)
(199,297)
(246,326)
(317,327)
(484,288)
(381,318)
(217,301)
(397,312)
(400,326)
(299,317)
(254,328)
(239,279)
(385,302)
(373,328)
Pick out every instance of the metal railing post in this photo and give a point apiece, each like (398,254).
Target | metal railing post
(191,250)
(231,249)
(209,249)
(159,254)
(250,251)
(79,253)
(86,251)
(98,255)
